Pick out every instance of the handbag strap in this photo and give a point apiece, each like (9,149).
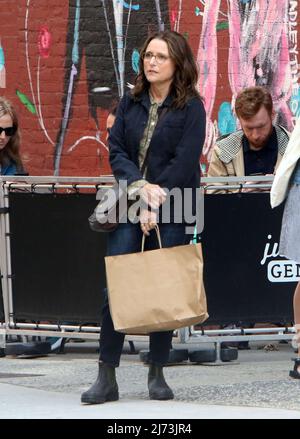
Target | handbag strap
(158,238)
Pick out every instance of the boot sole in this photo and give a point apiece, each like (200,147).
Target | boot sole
(161,398)
(94,400)
(294,374)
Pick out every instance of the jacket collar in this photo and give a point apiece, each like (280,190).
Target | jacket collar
(145,100)
(230,144)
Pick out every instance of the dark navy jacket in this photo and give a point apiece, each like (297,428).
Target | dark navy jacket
(175,147)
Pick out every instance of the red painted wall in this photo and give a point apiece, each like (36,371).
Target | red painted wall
(37,72)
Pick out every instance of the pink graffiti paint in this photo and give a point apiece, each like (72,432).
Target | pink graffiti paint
(207,59)
(258,54)
(44,42)
(173,18)
(281,86)
(259,51)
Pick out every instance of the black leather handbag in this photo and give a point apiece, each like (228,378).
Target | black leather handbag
(111,207)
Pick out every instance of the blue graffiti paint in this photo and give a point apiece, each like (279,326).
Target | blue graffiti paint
(203,168)
(127,6)
(197,11)
(2,59)
(75,50)
(226,120)
(294,104)
(245,1)
(135,60)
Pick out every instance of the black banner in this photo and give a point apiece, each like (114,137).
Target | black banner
(57,261)
(242,282)
(58,266)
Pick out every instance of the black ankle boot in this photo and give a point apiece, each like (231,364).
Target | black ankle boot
(158,388)
(294,373)
(105,387)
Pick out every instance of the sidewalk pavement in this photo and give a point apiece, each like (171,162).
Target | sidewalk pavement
(257,386)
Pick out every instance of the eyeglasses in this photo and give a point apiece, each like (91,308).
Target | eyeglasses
(159,57)
(9,131)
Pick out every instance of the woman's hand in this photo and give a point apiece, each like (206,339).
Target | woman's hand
(148,221)
(153,195)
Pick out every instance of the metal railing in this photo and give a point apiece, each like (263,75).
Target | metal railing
(185,335)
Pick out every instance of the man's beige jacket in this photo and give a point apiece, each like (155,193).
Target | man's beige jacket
(228,158)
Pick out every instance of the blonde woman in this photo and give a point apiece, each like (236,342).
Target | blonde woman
(10,160)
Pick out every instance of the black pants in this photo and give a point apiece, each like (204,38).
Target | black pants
(127,239)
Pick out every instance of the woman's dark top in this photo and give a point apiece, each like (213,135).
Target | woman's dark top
(175,147)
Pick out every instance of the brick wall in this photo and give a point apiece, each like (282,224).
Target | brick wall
(58,67)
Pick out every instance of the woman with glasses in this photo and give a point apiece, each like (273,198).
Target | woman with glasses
(10,160)
(155,146)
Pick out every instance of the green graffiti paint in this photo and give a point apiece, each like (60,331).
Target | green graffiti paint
(222,25)
(24,99)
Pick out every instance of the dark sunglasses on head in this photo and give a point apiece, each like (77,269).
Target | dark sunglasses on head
(9,131)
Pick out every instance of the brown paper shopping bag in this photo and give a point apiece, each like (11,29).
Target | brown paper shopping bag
(156,290)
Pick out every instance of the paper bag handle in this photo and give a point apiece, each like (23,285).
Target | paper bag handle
(158,238)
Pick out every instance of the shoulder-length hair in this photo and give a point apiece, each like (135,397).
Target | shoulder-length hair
(186,73)
(11,152)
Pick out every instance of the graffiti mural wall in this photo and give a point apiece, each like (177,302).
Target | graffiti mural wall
(64,62)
